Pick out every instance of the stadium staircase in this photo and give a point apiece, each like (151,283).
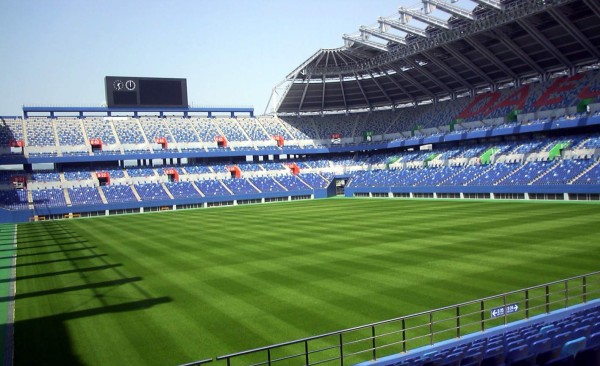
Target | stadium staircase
(67,197)
(282,126)
(304,182)
(476,176)
(253,185)
(285,189)
(102,196)
(510,174)
(226,188)
(30,199)
(135,193)
(116,135)
(592,166)
(548,171)
(143,133)
(88,146)
(243,130)
(197,189)
(56,139)
(167,191)
(193,129)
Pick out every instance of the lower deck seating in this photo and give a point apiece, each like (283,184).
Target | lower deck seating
(291,182)
(84,196)
(54,197)
(212,188)
(182,189)
(118,193)
(315,180)
(14,199)
(267,184)
(240,186)
(572,340)
(151,192)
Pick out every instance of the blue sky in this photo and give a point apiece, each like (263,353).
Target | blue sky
(232,52)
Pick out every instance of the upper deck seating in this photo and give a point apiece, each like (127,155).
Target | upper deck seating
(99,129)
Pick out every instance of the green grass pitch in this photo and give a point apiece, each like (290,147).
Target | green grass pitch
(173,287)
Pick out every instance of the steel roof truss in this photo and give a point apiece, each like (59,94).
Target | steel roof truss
(425,18)
(387,96)
(343,92)
(450,9)
(401,26)
(407,77)
(594,6)
(541,39)
(362,90)
(428,75)
(490,56)
(397,84)
(474,68)
(510,44)
(303,94)
(574,32)
(449,70)
(323,94)
(494,4)
(366,42)
(383,35)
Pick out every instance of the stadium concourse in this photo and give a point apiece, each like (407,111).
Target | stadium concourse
(501,101)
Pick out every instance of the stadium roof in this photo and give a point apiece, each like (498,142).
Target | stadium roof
(442,50)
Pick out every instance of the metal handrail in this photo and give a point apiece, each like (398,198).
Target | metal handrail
(545,304)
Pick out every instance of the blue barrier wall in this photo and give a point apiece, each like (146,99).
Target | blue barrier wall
(15,216)
(531,189)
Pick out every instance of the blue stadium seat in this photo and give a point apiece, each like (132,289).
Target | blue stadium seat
(494,357)
(594,340)
(516,352)
(589,356)
(561,361)
(561,338)
(540,346)
(583,331)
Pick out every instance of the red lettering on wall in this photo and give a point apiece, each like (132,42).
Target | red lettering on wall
(488,100)
(516,99)
(559,85)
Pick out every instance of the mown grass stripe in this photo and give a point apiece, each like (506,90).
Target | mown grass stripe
(8,244)
(211,282)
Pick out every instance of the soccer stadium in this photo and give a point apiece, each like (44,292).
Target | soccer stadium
(428,194)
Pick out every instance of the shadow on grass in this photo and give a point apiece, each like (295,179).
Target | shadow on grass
(87,286)
(47,341)
(21,255)
(35,264)
(65,272)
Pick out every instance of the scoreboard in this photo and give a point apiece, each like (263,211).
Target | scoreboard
(127,91)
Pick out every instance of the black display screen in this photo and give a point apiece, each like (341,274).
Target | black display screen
(125,98)
(160,92)
(127,91)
